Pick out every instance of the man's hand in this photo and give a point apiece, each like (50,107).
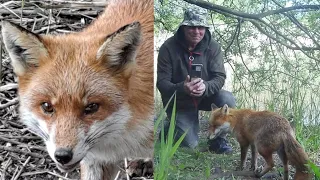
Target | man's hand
(195,87)
(199,91)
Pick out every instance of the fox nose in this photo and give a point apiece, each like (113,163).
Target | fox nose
(63,155)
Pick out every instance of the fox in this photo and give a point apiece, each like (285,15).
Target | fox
(89,94)
(265,132)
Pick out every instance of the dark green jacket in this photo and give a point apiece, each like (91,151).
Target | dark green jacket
(173,68)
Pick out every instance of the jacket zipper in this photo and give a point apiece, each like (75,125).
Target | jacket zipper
(191,58)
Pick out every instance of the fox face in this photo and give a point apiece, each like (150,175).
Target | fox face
(73,91)
(218,122)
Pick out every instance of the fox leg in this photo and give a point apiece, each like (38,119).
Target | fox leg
(110,171)
(244,150)
(140,167)
(267,155)
(96,171)
(91,171)
(254,154)
(284,159)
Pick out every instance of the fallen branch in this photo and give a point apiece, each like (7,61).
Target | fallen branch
(9,161)
(22,137)
(69,4)
(8,87)
(24,164)
(9,103)
(240,173)
(12,149)
(0,59)
(22,144)
(58,175)
(37,12)
(44,172)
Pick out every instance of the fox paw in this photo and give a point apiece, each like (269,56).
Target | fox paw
(253,168)
(257,173)
(140,168)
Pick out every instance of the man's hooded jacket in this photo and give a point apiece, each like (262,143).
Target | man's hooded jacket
(173,68)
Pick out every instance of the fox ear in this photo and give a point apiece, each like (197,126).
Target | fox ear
(213,106)
(225,109)
(24,47)
(120,48)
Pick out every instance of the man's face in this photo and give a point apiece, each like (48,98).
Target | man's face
(194,34)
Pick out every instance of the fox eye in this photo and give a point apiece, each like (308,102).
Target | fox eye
(47,108)
(91,108)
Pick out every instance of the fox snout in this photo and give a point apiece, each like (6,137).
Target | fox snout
(63,155)
(219,131)
(214,134)
(66,159)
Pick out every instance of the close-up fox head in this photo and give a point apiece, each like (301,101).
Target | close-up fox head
(76,90)
(219,122)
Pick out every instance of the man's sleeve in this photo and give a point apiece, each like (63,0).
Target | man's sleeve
(164,74)
(216,72)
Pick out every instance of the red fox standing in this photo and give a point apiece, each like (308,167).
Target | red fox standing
(266,132)
(89,94)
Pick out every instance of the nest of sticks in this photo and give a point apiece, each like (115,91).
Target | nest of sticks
(23,155)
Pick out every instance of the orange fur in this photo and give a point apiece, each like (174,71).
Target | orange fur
(266,132)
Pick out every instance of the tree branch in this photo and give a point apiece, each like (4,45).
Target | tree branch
(287,9)
(302,49)
(163,24)
(242,60)
(257,25)
(298,24)
(253,18)
(218,8)
(297,47)
(236,33)
(214,7)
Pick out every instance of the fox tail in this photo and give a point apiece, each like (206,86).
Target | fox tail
(297,157)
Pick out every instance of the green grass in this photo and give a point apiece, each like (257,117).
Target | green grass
(167,147)
(191,164)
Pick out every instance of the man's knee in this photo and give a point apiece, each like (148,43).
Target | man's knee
(219,99)
(191,138)
(225,97)
(190,141)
